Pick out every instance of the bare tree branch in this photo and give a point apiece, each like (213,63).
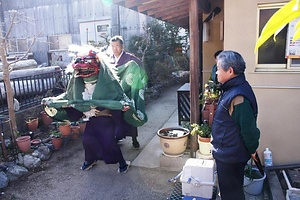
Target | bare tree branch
(14,15)
(26,53)
(7,69)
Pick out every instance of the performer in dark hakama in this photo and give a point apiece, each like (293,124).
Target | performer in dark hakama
(129,67)
(95,95)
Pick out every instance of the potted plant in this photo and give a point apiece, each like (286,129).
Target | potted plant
(210,98)
(47,120)
(56,139)
(211,93)
(204,136)
(32,123)
(75,130)
(173,140)
(64,128)
(203,131)
(23,143)
(82,125)
(253,180)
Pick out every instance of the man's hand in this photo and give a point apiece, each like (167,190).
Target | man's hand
(90,113)
(125,108)
(253,156)
(102,113)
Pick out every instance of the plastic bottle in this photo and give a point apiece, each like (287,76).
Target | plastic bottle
(268,158)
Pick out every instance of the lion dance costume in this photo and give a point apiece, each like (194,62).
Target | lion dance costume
(94,94)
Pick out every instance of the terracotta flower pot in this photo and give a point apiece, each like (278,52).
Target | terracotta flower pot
(47,120)
(75,132)
(203,139)
(32,124)
(65,130)
(57,142)
(208,112)
(24,143)
(82,127)
(36,142)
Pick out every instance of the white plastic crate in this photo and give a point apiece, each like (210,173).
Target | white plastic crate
(198,178)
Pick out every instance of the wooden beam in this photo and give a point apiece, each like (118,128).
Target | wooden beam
(174,15)
(158,4)
(180,17)
(168,7)
(136,3)
(171,15)
(169,10)
(174,8)
(183,23)
(194,70)
(147,7)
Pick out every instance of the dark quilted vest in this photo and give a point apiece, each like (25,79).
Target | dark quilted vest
(228,145)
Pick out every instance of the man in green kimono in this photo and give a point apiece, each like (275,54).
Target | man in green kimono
(133,78)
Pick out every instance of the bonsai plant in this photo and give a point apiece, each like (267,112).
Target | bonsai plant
(56,139)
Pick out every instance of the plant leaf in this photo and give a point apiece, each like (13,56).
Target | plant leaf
(279,19)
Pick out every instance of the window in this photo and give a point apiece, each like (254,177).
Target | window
(12,45)
(17,45)
(272,54)
(293,48)
(22,45)
(59,42)
(102,28)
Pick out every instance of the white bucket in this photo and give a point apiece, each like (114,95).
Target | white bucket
(205,148)
(254,186)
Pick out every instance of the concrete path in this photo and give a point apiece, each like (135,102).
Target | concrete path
(60,178)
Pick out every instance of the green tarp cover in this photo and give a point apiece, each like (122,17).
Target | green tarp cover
(115,88)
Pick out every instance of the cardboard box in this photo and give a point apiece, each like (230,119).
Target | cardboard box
(198,178)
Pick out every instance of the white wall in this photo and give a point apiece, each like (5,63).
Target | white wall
(277,93)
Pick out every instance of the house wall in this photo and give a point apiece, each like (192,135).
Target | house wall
(277,93)
(215,42)
(62,17)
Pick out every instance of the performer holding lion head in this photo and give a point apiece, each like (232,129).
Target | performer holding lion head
(95,95)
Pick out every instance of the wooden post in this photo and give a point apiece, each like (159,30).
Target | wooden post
(194,70)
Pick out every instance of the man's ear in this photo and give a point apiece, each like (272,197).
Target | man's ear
(231,71)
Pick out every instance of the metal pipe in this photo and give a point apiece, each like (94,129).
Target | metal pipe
(278,167)
(288,182)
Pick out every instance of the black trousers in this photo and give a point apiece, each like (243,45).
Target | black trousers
(231,180)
